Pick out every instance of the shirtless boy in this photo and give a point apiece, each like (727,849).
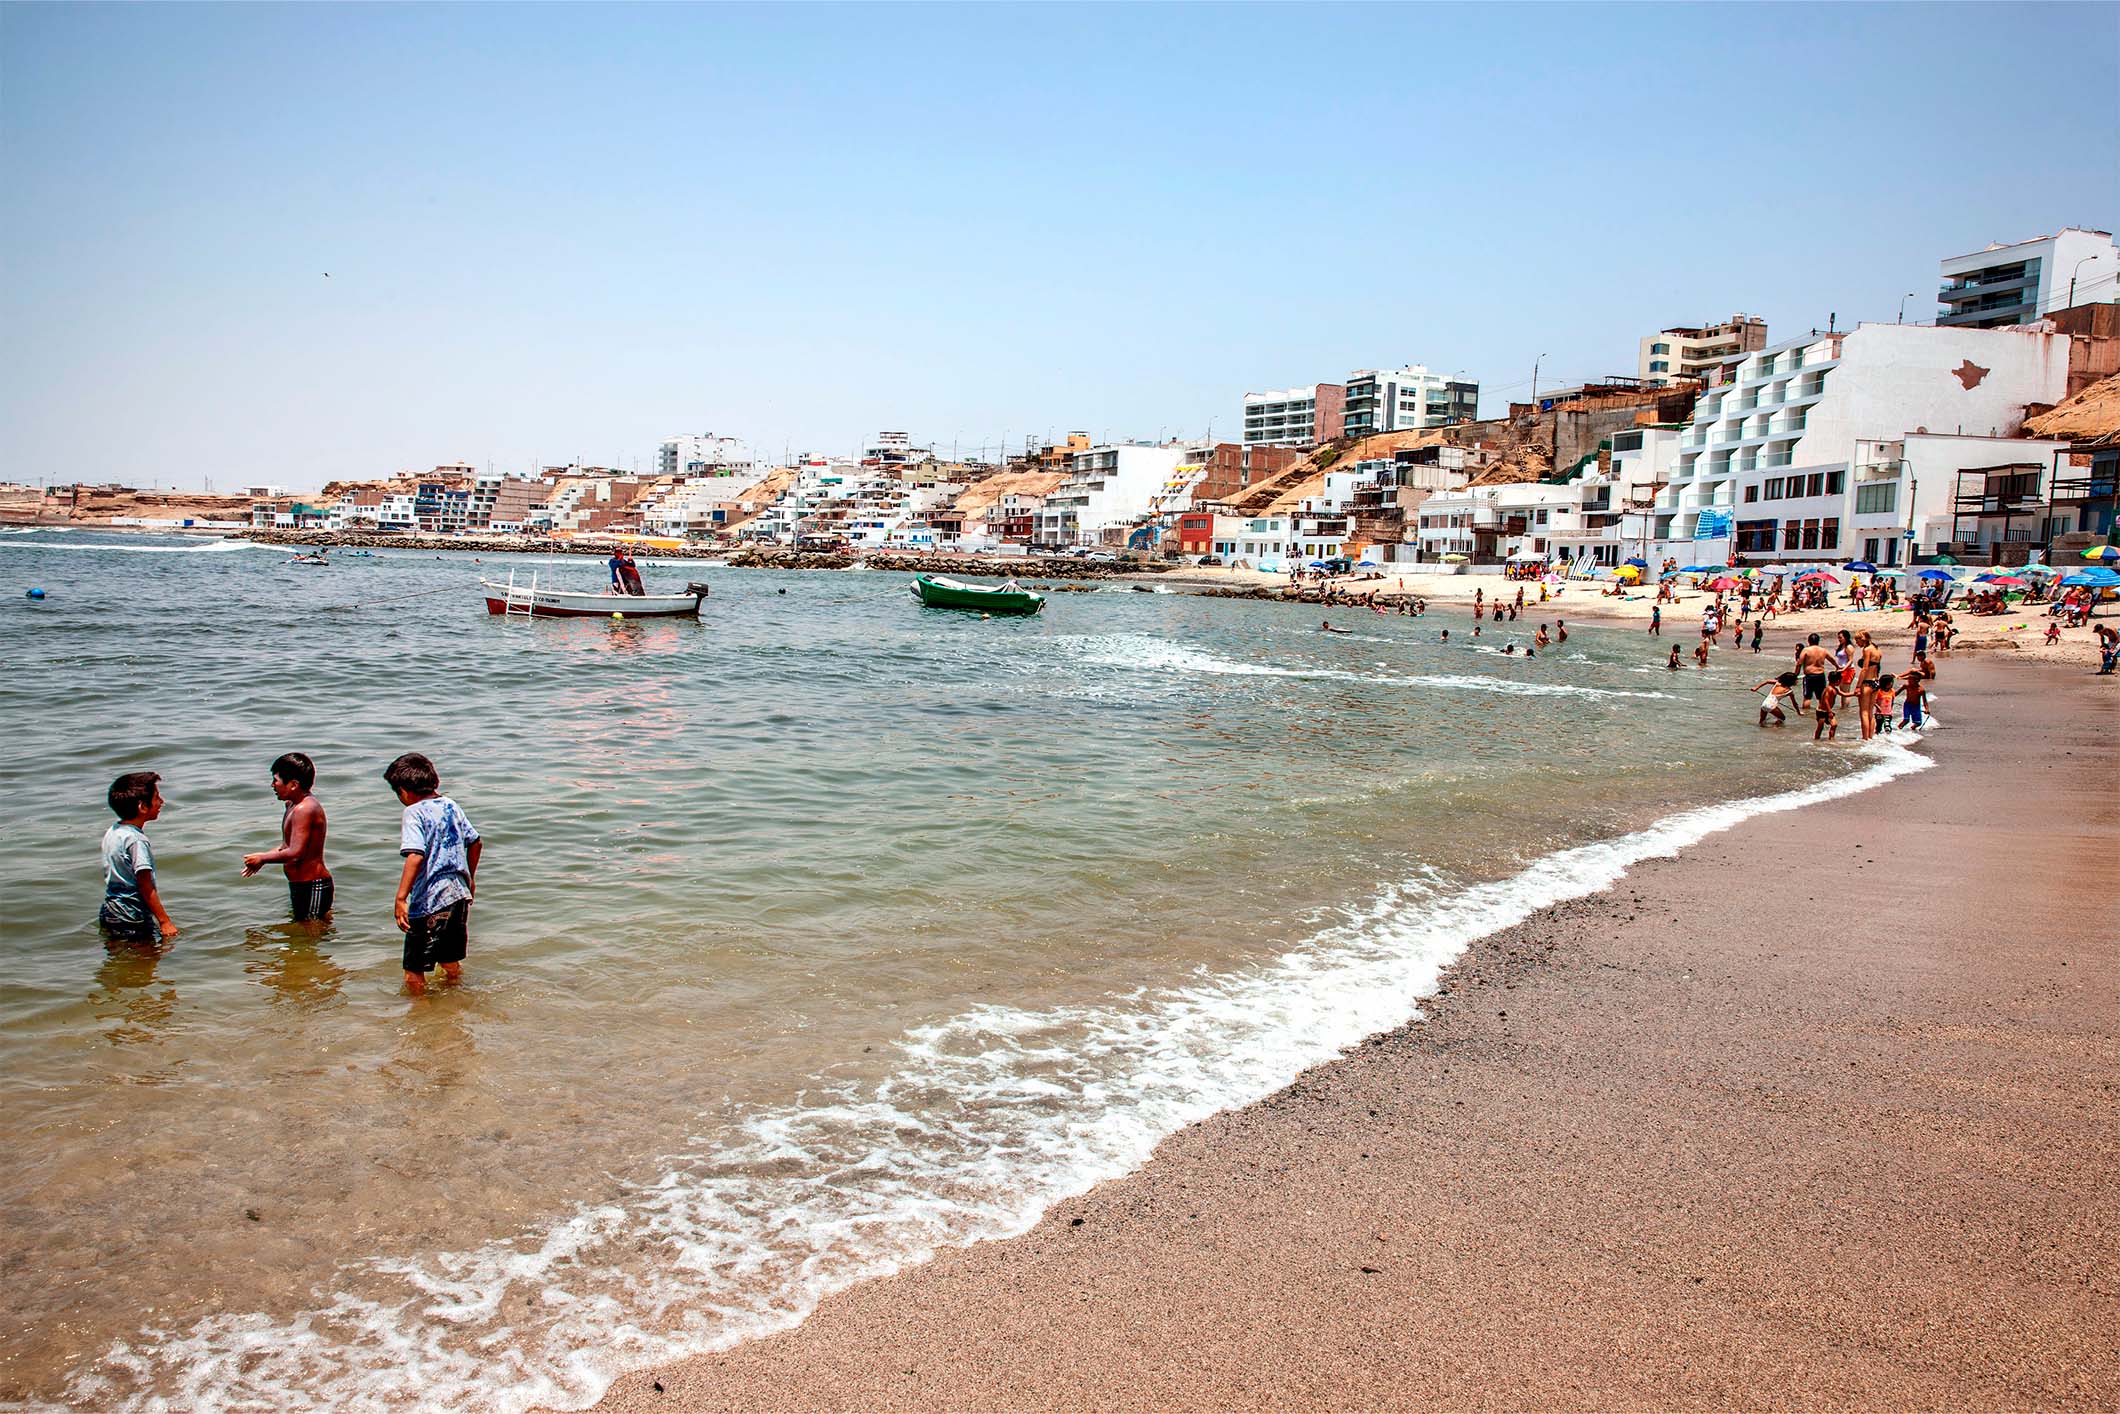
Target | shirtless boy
(301,851)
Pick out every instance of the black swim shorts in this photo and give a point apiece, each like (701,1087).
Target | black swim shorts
(1814,685)
(311,898)
(436,938)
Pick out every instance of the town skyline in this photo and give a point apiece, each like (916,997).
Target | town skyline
(297,247)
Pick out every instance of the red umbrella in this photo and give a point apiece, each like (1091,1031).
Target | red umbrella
(1726,583)
(2006,579)
(1816,575)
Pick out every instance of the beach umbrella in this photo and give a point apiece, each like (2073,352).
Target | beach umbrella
(2102,552)
(1861,567)
(1639,564)
(1935,574)
(1774,569)
(1945,560)
(2095,578)
(1317,564)
(1725,582)
(1454,559)
(1815,575)
(1670,574)
(2009,579)
(2040,569)
(1367,565)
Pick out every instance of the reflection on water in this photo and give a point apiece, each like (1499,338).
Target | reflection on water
(731,866)
(290,960)
(128,994)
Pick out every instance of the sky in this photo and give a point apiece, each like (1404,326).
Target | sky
(290,244)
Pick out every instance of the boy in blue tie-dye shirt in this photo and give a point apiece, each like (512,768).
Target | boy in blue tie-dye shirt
(441,848)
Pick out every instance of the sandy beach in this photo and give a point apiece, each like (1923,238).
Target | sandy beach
(1817,1114)
(2021,630)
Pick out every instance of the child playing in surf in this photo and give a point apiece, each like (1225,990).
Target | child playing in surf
(301,851)
(132,909)
(441,848)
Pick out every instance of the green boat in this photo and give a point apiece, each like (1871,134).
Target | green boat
(941,592)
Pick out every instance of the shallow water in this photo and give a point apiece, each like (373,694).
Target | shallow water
(810,936)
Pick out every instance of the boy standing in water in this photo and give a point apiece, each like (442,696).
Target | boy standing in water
(301,851)
(441,848)
(132,906)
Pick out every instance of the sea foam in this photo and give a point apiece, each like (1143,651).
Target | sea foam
(986,1120)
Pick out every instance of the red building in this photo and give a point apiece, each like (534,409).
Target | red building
(1196,532)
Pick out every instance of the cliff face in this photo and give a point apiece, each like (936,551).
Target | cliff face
(101,504)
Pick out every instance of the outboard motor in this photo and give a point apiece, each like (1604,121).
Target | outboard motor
(696,590)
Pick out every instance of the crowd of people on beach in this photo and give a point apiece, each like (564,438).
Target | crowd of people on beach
(437,841)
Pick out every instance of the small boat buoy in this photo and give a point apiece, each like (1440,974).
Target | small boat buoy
(616,614)
(36,592)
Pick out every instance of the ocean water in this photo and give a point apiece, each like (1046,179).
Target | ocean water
(811,937)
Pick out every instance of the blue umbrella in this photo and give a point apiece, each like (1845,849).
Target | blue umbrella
(2092,579)
(1639,564)
(1935,574)
(1862,567)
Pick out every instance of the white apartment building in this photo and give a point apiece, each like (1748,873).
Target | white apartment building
(1492,524)
(705,455)
(1767,466)
(2015,284)
(1294,417)
(1109,487)
(1404,399)
(1613,518)
(1693,351)
(1261,542)
(701,504)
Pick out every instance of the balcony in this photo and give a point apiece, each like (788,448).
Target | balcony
(1879,471)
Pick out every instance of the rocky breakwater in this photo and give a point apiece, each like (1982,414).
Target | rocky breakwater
(470,544)
(1021,568)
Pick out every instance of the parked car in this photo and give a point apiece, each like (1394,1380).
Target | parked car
(1209,562)
(1101,557)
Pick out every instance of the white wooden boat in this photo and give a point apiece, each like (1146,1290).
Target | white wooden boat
(533,600)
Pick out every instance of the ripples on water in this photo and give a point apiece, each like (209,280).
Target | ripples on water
(810,936)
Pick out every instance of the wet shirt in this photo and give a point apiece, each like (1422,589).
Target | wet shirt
(438,830)
(126,853)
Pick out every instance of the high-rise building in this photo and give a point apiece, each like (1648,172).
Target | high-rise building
(2015,284)
(1294,417)
(704,455)
(1693,351)
(1405,399)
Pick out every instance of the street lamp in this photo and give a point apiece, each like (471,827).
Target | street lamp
(2072,277)
(1534,383)
(1903,307)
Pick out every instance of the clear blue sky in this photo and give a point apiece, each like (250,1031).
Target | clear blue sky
(556,232)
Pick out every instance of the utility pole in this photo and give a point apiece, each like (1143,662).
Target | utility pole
(1534,383)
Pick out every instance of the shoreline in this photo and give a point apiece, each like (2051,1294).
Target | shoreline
(1649,1147)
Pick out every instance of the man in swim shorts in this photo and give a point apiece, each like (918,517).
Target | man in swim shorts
(1815,663)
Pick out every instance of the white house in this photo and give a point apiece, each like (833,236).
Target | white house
(1775,445)
(1109,487)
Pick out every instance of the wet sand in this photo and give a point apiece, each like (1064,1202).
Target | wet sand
(1821,1113)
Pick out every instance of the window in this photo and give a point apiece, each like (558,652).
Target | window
(1751,494)
(1877,498)
(1755,536)
(1658,365)
(1829,534)
(1836,482)
(1659,349)
(1773,489)
(1810,535)
(1791,535)
(1818,483)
